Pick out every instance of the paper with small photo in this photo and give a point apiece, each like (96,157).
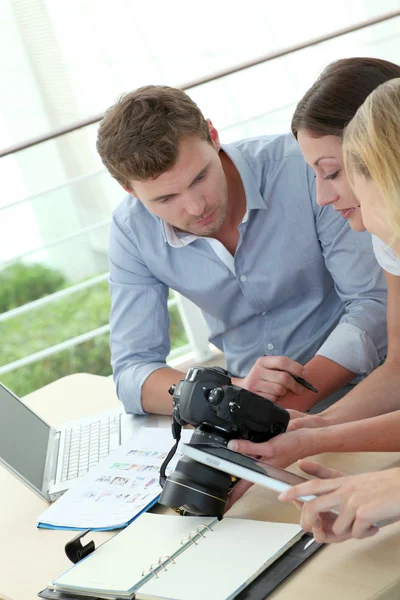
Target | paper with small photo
(119,488)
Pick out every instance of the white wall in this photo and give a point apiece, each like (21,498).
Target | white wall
(62,61)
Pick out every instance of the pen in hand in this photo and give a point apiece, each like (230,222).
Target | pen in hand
(302,382)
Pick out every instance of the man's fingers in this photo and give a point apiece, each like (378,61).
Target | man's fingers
(240,488)
(283,363)
(266,395)
(317,470)
(278,382)
(272,385)
(271,377)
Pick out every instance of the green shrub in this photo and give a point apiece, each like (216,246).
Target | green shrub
(51,324)
(21,283)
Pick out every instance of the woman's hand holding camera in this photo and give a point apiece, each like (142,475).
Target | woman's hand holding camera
(281,451)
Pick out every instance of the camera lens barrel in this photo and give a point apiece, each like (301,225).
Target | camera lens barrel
(199,489)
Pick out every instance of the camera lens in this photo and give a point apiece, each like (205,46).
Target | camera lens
(198,489)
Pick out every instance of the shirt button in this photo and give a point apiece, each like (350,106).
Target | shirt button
(263,314)
(270,346)
(243,278)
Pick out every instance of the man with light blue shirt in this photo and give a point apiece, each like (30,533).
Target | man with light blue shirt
(285,286)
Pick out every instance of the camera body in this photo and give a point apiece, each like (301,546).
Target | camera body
(219,411)
(206,399)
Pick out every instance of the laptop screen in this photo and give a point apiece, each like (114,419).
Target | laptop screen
(24,438)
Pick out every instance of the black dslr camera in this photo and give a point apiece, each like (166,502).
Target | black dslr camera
(220,412)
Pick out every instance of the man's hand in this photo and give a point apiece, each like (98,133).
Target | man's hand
(270,377)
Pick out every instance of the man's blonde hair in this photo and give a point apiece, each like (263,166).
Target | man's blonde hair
(139,136)
(371,147)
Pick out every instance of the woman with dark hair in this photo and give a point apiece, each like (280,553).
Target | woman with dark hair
(368,418)
(320,119)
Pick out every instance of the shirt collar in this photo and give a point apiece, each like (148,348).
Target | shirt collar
(175,238)
(254,199)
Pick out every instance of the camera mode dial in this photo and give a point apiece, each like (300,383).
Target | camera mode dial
(215,396)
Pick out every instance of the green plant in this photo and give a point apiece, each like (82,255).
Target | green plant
(21,283)
(64,319)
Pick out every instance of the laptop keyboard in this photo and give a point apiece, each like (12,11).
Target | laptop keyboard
(88,443)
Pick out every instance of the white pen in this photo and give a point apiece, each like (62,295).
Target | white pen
(309,543)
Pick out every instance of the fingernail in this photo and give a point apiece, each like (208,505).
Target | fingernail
(233,445)
(282,496)
(304,373)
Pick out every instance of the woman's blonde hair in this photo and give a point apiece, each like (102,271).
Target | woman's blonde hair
(371,147)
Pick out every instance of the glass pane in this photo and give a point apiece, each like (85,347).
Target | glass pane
(90,357)
(54,323)
(176,330)
(62,320)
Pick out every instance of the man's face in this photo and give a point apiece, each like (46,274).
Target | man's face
(193,195)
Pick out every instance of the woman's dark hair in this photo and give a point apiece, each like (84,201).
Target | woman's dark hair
(333,100)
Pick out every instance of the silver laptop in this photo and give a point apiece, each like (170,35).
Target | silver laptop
(49,460)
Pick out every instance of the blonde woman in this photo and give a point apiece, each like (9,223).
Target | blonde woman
(371,148)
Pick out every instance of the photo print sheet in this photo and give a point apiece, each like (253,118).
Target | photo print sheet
(119,488)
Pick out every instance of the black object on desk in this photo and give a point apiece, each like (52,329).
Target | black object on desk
(276,573)
(75,550)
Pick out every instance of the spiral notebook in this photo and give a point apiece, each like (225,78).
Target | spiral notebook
(161,557)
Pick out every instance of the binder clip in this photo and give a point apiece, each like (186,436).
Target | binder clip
(75,550)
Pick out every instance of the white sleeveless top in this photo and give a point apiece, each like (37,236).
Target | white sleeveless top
(385,256)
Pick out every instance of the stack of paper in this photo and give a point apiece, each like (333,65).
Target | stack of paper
(119,488)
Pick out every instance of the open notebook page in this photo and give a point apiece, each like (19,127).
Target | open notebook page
(116,566)
(220,566)
(245,546)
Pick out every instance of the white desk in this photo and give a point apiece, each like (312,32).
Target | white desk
(34,556)
(31,557)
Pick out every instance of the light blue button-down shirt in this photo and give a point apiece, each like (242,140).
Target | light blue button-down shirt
(301,282)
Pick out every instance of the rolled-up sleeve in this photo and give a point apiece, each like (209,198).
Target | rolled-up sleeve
(139,319)
(359,341)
